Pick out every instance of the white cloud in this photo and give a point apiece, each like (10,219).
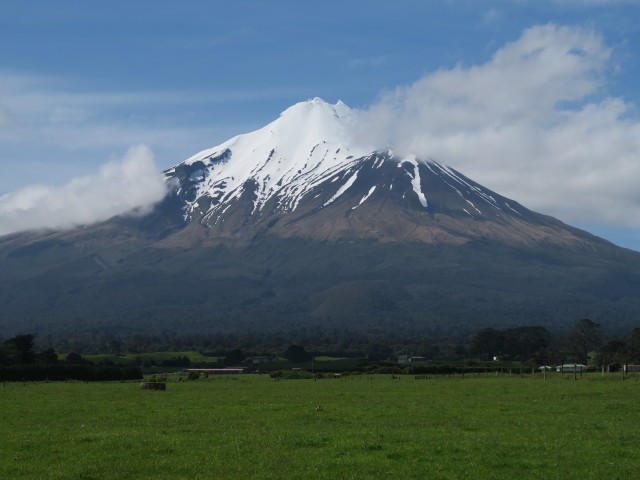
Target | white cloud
(131,185)
(531,123)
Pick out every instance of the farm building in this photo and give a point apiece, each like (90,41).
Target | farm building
(631,368)
(614,367)
(571,368)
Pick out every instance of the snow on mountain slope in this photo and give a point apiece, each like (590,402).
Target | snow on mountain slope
(302,148)
(310,146)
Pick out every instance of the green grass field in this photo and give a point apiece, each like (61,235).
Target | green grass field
(361,427)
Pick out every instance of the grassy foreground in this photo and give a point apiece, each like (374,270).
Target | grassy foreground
(252,427)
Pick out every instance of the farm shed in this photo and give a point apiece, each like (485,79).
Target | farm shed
(571,368)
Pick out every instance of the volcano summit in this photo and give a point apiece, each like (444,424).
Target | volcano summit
(296,224)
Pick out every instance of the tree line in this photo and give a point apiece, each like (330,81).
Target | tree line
(537,346)
(19,361)
(532,345)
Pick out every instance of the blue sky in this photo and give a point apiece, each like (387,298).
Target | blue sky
(82,83)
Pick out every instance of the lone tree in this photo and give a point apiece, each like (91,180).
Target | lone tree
(18,350)
(524,343)
(47,357)
(234,357)
(487,343)
(633,345)
(614,351)
(297,354)
(583,338)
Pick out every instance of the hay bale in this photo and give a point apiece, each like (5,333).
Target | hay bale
(153,386)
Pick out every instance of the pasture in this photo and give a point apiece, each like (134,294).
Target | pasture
(360,427)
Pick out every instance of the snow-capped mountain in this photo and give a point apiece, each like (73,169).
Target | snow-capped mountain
(306,169)
(298,225)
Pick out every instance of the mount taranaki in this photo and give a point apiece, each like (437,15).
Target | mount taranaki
(292,225)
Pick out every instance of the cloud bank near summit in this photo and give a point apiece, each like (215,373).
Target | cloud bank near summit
(533,123)
(130,185)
